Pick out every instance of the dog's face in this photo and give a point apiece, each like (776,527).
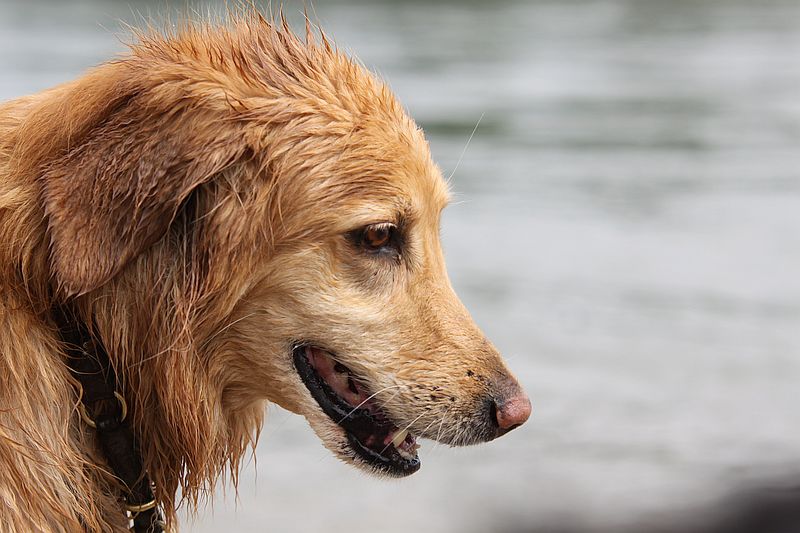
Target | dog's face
(290,238)
(377,350)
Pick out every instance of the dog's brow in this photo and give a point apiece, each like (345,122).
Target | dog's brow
(442,197)
(372,213)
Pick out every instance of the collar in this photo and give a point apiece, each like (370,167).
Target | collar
(103,408)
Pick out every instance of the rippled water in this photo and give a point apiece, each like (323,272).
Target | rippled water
(626,232)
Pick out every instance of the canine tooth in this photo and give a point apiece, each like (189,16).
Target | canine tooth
(399,437)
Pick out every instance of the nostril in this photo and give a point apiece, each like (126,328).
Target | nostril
(493,413)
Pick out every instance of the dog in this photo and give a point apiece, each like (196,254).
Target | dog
(238,215)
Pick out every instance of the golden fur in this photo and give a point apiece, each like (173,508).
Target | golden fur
(191,199)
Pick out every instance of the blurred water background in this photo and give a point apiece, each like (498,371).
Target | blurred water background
(626,231)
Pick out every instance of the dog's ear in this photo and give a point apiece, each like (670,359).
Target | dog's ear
(124,173)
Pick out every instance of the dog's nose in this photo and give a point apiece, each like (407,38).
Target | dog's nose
(511,412)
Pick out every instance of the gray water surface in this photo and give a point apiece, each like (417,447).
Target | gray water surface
(625,231)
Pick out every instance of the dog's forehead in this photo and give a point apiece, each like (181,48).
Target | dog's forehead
(400,180)
(417,196)
(382,165)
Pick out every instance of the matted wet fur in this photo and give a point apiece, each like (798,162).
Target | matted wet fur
(213,202)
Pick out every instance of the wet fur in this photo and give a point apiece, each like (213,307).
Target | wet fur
(191,199)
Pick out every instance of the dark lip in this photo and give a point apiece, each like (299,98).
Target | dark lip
(357,423)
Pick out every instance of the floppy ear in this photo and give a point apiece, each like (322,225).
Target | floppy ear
(116,191)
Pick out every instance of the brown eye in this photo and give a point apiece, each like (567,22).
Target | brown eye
(378,239)
(377,236)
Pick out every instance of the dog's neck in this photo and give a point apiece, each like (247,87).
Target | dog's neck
(52,474)
(168,365)
(51,478)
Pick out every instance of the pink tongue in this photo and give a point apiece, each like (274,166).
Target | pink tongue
(341,382)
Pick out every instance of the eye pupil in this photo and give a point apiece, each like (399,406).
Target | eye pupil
(377,236)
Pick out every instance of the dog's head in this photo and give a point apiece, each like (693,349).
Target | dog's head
(263,211)
(377,348)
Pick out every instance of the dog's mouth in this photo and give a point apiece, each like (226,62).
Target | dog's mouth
(371,434)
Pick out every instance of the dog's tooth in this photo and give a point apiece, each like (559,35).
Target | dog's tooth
(399,437)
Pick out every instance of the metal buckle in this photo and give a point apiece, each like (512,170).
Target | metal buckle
(142,507)
(123,406)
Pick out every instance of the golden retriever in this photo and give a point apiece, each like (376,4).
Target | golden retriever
(240,215)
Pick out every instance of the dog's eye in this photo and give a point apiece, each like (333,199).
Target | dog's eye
(377,238)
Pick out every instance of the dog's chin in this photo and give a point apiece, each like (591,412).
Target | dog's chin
(354,427)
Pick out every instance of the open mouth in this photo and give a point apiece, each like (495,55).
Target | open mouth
(372,436)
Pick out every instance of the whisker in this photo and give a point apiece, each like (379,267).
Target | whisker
(371,396)
(464,151)
(433,422)
(441,426)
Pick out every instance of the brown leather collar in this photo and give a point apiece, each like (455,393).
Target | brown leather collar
(103,408)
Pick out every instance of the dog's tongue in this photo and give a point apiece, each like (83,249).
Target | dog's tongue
(336,376)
